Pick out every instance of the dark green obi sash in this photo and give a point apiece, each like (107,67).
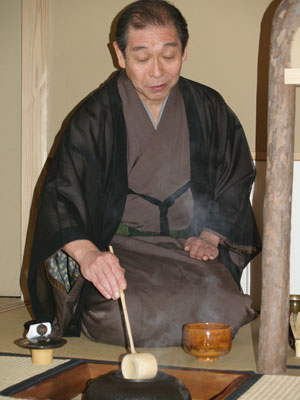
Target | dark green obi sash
(125,230)
(163,206)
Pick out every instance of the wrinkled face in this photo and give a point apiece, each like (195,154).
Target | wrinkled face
(153,60)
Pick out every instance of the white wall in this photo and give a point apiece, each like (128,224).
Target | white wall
(295,234)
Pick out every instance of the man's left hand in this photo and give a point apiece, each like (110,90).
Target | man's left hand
(204,247)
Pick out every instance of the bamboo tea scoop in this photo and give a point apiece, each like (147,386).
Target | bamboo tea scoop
(135,365)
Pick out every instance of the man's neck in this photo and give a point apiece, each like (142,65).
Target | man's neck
(154,108)
(155,111)
(155,123)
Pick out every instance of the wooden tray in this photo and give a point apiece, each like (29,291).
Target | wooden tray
(202,384)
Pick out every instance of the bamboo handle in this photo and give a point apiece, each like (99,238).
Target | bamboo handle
(127,323)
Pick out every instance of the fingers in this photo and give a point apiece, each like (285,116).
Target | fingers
(188,243)
(201,249)
(105,272)
(114,277)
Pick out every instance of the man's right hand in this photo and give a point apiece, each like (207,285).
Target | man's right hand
(101,268)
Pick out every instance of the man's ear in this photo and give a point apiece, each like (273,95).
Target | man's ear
(120,55)
(184,55)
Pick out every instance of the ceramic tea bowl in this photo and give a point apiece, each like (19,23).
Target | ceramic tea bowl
(207,341)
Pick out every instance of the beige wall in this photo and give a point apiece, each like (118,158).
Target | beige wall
(223,53)
(10,148)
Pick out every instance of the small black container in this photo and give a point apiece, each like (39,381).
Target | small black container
(113,386)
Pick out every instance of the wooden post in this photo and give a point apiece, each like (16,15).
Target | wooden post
(34,99)
(34,110)
(273,335)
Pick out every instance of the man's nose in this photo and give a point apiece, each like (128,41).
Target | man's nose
(156,68)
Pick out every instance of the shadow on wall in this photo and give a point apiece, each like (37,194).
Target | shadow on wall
(257,203)
(261,140)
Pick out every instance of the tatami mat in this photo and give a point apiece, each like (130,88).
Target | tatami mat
(18,369)
(10,303)
(241,357)
(274,387)
(8,300)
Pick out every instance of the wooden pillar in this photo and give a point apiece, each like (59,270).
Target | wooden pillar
(34,109)
(273,335)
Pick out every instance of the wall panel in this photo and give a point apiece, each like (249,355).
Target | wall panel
(10,146)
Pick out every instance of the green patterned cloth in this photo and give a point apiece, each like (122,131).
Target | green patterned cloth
(64,269)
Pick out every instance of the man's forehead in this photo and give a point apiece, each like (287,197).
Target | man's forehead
(143,38)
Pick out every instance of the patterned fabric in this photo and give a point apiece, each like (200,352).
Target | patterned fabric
(64,269)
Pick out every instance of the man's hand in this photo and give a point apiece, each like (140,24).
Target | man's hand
(205,247)
(100,268)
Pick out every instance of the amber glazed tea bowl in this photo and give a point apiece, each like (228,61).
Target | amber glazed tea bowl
(207,341)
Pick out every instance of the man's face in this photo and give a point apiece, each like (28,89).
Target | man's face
(153,59)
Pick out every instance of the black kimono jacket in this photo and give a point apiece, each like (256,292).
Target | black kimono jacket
(85,189)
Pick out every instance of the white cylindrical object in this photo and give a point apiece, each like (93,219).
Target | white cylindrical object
(297,347)
(42,356)
(139,366)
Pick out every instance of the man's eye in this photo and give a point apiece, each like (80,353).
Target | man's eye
(142,60)
(168,57)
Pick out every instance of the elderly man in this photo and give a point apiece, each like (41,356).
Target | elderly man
(158,167)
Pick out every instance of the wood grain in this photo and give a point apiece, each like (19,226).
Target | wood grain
(273,336)
(34,100)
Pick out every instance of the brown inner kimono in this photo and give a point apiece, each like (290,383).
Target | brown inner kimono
(166,288)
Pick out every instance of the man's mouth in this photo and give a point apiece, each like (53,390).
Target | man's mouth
(158,87)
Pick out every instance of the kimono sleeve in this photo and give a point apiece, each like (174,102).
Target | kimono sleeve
(231,174)
(70,200)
